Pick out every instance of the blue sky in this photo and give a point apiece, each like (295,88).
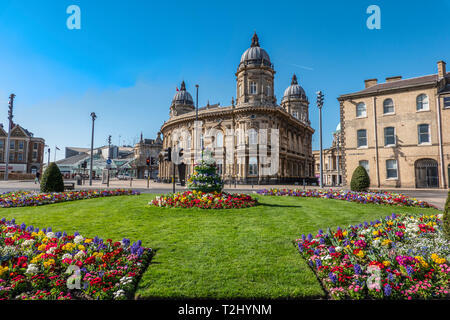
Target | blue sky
(129,56)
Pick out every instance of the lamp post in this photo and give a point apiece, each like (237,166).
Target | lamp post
(94,116)
(320,105)
(10,116)
(337,158)
(196,104)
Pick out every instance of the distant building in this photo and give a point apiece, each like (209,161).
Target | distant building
(332,161)
(25,153)
(147,148)
(399,131)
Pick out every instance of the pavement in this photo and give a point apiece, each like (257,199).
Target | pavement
(436,197)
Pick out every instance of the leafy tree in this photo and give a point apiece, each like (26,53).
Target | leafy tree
(360,179)
(205,177)
(52,180)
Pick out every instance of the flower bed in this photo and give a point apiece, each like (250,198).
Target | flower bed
(387,198)
(191,199)
(37,265)
(25,198)
(399,257)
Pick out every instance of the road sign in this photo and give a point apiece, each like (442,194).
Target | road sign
(108,161)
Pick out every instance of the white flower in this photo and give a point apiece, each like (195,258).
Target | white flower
(50,235)
(119,293)
(51,250)
(79,255)
(66,256)
(78,239)
(28,243)
(338,249)
(32,269)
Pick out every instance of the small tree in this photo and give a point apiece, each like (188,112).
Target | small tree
(447,217)
(205,177)
(360,179)
(52,180)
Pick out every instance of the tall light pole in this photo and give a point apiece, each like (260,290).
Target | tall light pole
(10,116)
(337,156)
(92,147)
(196,104)
(320,105)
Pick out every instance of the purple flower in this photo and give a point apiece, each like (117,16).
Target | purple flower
(387,290)
(332,277)
(357,269)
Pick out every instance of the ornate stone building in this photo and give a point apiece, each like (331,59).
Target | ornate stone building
(242,136)
(147,148)
(332,161)
(399,130)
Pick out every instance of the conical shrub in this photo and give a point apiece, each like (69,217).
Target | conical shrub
(52,180)
(360,180)
(447,217)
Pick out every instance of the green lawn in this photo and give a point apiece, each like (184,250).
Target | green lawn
(239,253)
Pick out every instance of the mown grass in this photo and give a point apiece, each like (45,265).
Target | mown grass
(238,253)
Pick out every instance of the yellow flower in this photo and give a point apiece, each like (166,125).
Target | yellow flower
(3,270)
(386,242)
(42,247)
(344,233)
(422,261)
(81,247)
(390,223)
(49,263)
(360,254)
(45,240)
(437,259)
(88,240)
(386,263)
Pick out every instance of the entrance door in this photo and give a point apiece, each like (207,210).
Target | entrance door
(427,173)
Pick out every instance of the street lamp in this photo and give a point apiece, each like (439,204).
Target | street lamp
(196,108)
(93,115)
(10,116)
(320,105)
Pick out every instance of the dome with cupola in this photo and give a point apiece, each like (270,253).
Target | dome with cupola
(182,97)
(255,54)
(294,91)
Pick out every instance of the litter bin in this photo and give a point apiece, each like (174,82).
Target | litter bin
(78,180)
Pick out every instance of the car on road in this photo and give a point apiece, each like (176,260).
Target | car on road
(124,176)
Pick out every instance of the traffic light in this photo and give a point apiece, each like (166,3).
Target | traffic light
(148,161)
(167,154)
(84,165)
(152,161)
(180,154)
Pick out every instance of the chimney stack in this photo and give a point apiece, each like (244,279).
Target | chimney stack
(370,82)
(392,79)
(441,69)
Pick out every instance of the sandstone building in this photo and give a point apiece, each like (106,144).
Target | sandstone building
(233,133)
(399,130)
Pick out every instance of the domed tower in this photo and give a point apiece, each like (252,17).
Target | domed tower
(295,101)
(182,102)
(254,77)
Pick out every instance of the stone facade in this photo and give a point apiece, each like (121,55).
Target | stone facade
(400,130)
(231,133)
(25,153)
(147,148)
(332,162)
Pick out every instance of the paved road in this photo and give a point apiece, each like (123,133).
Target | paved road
(436,197)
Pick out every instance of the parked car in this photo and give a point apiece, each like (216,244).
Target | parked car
(124,176)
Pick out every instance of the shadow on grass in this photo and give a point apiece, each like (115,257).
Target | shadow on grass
(276,205)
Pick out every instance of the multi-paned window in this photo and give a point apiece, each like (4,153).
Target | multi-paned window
(35,146)
(362,138)
(391,169)
(295,114)
(219,140)
(422,102)
(268,91)
(1,144)
(253,166)
(389,136)
(19,156)
(424,133)
(361,110)
(388,106)
(34,155)
(252,136)
(20,145)
(253,87)
(365,165)
(11,156)
(12,145)
(447,103)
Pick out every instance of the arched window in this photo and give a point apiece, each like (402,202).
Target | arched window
(219,140)
(361,110)
(388,106)
(253,87)
(422,102)
(268,91)
(252,136)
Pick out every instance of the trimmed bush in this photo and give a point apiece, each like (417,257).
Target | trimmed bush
(52,180)
(360,180)
(447,217)
(205,177)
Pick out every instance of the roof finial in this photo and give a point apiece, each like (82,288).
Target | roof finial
(183,86)
(255,40)
(294,80)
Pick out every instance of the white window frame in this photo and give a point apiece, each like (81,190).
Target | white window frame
(419,134)
(365,166)
(357,139)
(420,100)
(395,138)
(364,115)
(385,105)
(253,87)
(396,169)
